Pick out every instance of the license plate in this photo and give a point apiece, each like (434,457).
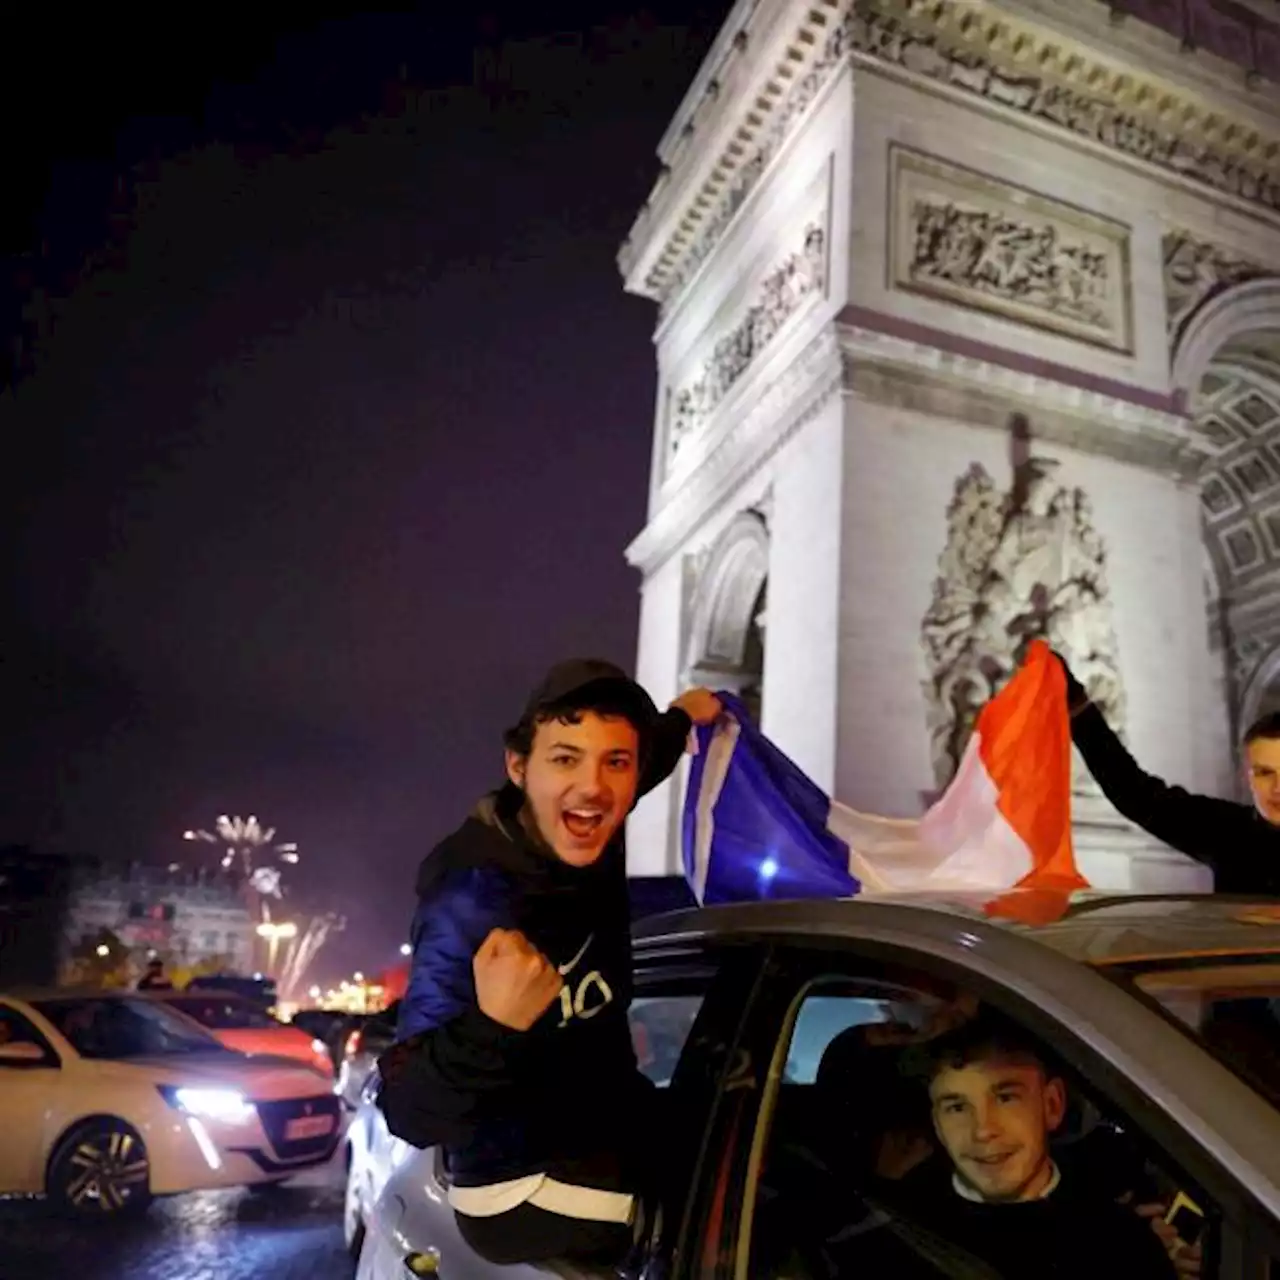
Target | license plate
(308,1127)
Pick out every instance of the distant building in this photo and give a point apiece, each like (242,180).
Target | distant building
(187,918)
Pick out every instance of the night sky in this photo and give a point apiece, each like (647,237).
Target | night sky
(327,420)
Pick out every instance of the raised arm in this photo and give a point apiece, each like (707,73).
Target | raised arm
(1199,826)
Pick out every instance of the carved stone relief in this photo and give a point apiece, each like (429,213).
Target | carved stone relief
(1195,271)
(1018,565)
(799,276)
(967,238)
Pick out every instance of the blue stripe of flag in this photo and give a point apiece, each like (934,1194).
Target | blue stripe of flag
(770,824)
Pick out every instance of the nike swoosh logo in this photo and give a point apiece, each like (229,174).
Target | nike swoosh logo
(582,951)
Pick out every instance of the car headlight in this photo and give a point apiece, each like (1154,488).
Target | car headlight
(209,1104)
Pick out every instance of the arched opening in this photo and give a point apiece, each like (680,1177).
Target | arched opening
(1227,372)
(727,627)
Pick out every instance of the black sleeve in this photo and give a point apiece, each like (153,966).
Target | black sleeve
(437,1083)
(1135,1251)
(669,738)
(1199,826)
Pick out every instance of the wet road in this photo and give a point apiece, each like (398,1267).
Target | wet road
(293,1232)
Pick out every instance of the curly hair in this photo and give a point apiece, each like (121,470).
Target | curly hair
(604,699)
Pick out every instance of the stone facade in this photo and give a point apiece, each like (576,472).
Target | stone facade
(957,309)
(187,918)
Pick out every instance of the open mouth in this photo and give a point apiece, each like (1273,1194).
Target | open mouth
(582,824)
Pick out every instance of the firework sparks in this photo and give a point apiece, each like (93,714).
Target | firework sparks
(302,950)
(248,850)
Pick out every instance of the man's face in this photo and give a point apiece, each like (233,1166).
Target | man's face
(1262,757)
(580,782)
(994,1118)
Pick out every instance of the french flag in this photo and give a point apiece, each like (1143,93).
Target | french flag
(755,826)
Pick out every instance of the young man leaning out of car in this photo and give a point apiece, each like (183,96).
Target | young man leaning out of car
(514,1051)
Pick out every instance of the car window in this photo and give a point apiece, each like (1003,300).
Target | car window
(1232,1009)
(660,1027)
(820,1020)
(17,1028)
(855,1159)
(220,1013)
(114,1027)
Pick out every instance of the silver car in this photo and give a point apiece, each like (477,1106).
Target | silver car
(1162,1012)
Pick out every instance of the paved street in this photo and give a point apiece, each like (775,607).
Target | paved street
(291,1233)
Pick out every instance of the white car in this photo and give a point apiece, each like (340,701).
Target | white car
(1161,1014)
(659,1028)
(108,1100)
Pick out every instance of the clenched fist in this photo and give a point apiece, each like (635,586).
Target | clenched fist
(515,982)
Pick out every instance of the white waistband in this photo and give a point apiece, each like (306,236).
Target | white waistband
(543,1192)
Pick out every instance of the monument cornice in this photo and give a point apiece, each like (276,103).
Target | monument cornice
(1200,135)
(777,413)
(923,377)
(712,162)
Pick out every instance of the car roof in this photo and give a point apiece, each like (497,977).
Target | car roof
(1094,928)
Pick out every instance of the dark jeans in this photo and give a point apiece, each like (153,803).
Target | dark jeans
(529,1234)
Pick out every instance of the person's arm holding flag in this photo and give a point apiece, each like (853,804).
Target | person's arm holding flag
(1196,825)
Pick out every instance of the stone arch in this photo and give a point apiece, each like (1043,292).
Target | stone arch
(1236,312)
(1226,376)
(727,622)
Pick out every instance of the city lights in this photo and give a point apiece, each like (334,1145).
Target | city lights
(273,931)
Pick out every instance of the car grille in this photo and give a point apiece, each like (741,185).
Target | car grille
(275,1117)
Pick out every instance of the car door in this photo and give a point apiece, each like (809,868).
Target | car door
(28,1088)
(765,1126)
(695,993)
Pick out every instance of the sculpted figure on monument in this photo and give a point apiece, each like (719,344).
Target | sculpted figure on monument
(999,255)
(780,295)
(1016,566)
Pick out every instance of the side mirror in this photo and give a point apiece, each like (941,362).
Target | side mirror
(22,1051)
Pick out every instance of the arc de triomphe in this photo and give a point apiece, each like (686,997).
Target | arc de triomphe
(969,329)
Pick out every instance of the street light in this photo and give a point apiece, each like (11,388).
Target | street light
(273,931)
(406,949)
(103,950)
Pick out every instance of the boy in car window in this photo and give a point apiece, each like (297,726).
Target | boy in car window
(995,1103)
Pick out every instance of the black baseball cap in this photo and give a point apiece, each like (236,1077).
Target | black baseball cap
(578,678)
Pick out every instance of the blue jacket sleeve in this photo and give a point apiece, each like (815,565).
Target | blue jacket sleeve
(450,1059)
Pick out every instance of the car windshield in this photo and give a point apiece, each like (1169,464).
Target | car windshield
(113,1027)
(223,1013)
(1231,1005)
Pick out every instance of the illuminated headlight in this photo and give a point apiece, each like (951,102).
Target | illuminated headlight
(210,1104)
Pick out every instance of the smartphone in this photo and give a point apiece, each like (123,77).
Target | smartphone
(1186,1218)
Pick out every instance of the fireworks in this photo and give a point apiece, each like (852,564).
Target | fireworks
(302,950)
(250,851)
